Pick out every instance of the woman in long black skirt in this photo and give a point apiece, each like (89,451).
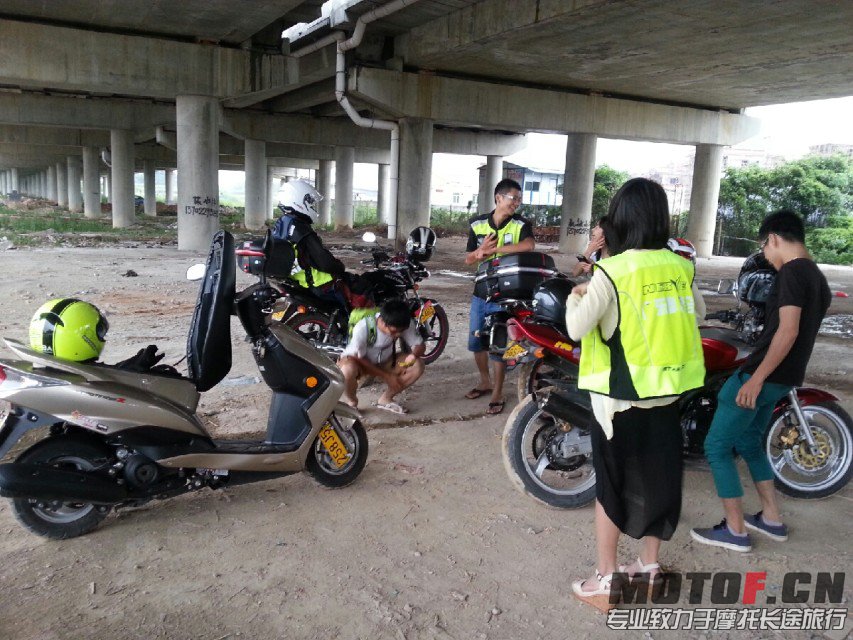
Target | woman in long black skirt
(640,350)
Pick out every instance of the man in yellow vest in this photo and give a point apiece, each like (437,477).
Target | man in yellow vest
(314,267)
(491,235)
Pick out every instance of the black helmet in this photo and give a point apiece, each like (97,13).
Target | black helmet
(549,302)
(420,243)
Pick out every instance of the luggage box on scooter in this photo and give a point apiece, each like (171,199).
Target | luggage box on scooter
(265,256)
(513,277)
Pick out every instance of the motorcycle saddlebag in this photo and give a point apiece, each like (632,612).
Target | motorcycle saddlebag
(513,277)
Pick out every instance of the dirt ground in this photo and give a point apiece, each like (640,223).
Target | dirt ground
(432,541)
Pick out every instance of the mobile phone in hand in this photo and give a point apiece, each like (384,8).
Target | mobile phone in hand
(582,258)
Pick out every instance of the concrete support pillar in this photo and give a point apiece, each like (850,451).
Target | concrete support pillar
(256,184)
(121,178)
(273,185)
(707,165)
(4,184)
(91,183)
(108,186)
(61,184)
(414,173)
(15,180)
(75,197)
(344,159)
(51,183)
(170,186)
(577,192)
(383,204)
(42,181)
(324,186)
(198,171)
(149,173)
(494,174)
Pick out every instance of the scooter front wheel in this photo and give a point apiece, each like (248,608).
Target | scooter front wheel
(323,468)
(53,518)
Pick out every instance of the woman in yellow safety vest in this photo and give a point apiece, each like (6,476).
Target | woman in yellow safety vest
(640,349)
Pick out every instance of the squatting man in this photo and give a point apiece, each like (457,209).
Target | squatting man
(372,351)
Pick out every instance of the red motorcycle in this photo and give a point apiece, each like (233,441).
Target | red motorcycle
(546,445)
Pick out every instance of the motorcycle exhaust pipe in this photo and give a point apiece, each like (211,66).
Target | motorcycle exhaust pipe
(18,480)
(566,409)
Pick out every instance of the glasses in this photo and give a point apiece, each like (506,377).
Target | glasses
(515,199)
(763,243)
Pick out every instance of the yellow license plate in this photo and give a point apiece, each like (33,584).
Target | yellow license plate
(334,445)
(278,315)
(513,351)
(427,313)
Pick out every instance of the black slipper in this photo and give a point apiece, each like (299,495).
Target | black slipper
(495,407)
(475,393)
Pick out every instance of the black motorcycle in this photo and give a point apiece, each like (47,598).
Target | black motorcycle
(751,289)
(327,324)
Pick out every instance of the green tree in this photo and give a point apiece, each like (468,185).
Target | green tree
(604,186)
(820,189)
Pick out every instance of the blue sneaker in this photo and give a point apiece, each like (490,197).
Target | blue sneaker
(720,536)
(777,532)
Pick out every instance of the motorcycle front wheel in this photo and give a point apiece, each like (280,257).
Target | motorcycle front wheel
(805,473)
(53,518)
(546,461)
(324,470)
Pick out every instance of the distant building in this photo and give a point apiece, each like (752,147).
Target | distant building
(539,186)
(832,149)
(737,157)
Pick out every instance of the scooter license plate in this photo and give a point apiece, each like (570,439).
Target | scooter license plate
(334,445)
(278,315)
(427,312)
(514,351)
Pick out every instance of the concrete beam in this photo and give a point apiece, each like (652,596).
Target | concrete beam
(34,116)
(457,102)
(38,110)
(45,56)
(53,136)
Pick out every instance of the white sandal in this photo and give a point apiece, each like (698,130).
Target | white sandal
(652,569)
(598,598)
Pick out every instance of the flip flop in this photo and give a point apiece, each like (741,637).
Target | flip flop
(495,408)
(475,393)
(393,407)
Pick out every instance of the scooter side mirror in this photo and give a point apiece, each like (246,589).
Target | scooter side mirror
(196,272)
(369,237)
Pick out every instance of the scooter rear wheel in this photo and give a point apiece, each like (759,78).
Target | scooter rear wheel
(52,518)
(322,468)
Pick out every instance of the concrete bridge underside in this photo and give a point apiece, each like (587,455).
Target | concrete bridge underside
(200,85)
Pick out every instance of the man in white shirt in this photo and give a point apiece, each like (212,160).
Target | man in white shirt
(372,351)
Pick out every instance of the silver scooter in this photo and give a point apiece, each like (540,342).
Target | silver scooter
(117,438)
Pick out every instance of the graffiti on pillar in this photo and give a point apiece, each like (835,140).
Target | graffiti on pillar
(202,206)
(577,227)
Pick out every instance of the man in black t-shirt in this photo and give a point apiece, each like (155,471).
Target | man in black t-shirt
(795,308)
(492,235)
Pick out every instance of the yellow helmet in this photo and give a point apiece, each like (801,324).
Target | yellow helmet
(69,329)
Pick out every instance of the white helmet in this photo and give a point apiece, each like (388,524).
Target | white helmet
(301,197)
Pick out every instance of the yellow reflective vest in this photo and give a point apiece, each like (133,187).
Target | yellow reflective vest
(509,233)
(300,275)
(656,349)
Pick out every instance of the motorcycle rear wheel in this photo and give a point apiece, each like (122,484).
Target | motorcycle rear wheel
(322,468)
(434,334)
(311,326)
(799,473)
(52,518)
(527,469)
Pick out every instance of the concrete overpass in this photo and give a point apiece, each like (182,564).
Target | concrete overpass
(202,84)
